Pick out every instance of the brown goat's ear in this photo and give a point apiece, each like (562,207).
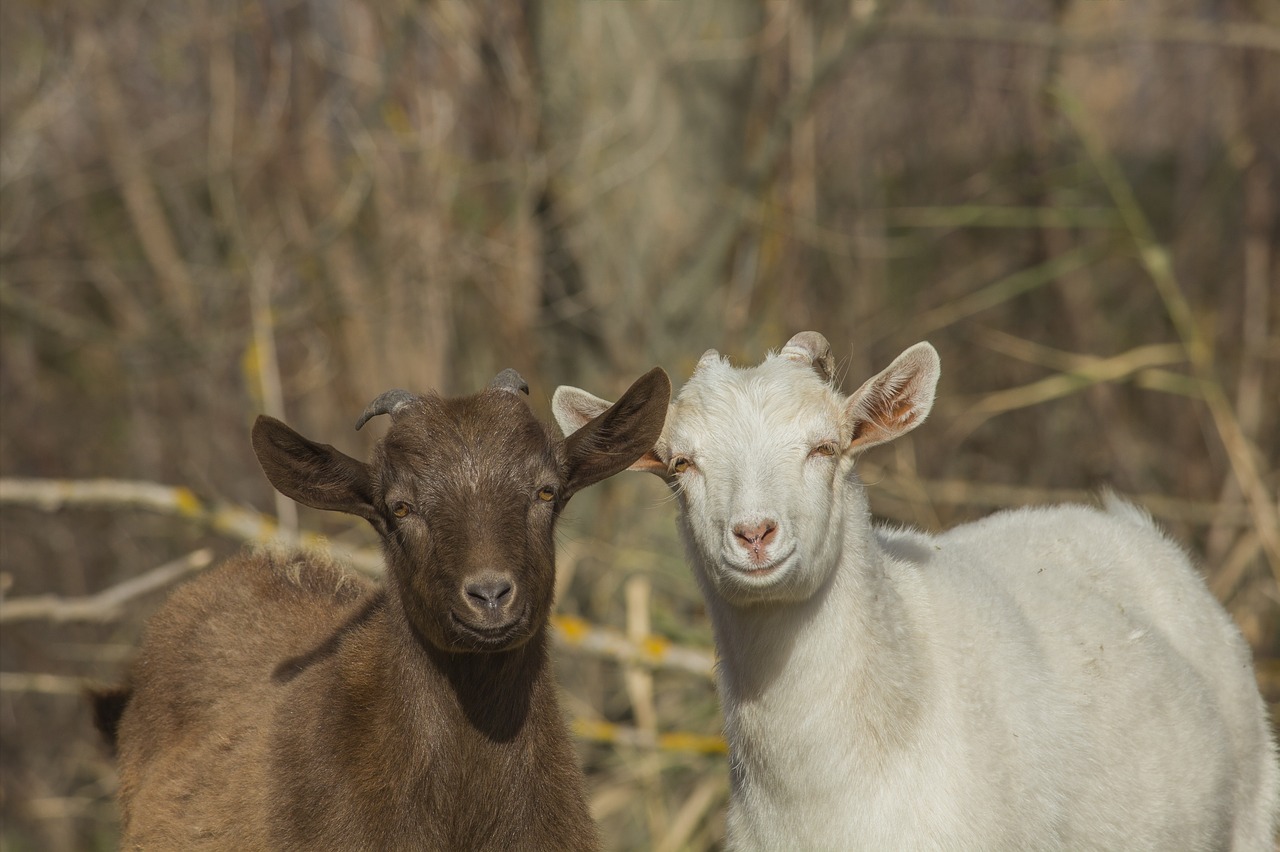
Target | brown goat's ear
(316,475)
(620,436)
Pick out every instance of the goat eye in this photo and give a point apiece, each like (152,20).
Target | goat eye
(401,509)
(547,493)
(825,449)
(679,464)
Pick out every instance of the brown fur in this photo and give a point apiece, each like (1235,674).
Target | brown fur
(278,702)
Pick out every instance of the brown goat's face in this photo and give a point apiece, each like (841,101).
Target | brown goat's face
(465,493)
(470,490)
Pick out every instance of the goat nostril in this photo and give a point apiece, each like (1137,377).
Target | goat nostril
(769,529)
(750,535)
(489,593)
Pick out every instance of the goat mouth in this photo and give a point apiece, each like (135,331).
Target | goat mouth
(758,571)
(489,637)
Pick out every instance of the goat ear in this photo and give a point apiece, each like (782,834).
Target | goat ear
(621,436)
(316,475)
(895,401)
(574,408)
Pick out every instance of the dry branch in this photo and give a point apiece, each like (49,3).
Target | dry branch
(608,732)
(1085,372)
(1245,36)
(239,524)
(709,794)
(959,492)
(1013,285)
(108,604)
(1156,261)
(988,216)
(763,162)
(243,525)
(39,682)
(141,198)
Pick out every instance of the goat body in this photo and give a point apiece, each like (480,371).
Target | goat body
(279,702)
(1050,678)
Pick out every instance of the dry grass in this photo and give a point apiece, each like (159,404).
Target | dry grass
(210,210)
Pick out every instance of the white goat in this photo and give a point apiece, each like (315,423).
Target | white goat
(1047,678)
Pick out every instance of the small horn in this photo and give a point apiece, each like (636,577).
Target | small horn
(509,380)
(390,402)
(708,357)
(811,348)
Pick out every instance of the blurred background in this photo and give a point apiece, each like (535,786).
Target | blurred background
(214,209)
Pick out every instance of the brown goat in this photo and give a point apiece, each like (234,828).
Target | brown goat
(279,702)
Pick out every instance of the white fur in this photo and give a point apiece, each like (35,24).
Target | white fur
(1053,678)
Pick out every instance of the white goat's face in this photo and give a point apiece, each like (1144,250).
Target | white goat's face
(755,456)
(761,459)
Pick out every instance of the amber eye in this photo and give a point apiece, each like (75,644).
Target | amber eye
(827,449)
(401,510)
(547,494)
(679,464)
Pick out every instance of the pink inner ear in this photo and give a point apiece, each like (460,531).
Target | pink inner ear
(887,411)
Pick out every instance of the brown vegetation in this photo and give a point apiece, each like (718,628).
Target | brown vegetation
(210,211)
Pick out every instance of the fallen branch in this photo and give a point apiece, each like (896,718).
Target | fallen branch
(44,684)
(108,604)
(653,652)
(245,525)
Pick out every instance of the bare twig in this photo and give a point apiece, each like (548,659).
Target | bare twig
(1260,210)
(47,684)
(1087,372)
(1155,259)
(1006,288)
(999,216)
(236,523)
(570,632)
(141,200)
(638,682)
(607,732)
(107,605)
(709,793)
(655,652)
(1237,35)
(763,162)
(267,369)
(958,492)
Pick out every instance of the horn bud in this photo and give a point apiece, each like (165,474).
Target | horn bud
(509,380)
(812,349)
(392,402)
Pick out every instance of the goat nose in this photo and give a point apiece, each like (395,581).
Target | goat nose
(755,535)
(489,592)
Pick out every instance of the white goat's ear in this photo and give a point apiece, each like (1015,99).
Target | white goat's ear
(895,401)
(574,408)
